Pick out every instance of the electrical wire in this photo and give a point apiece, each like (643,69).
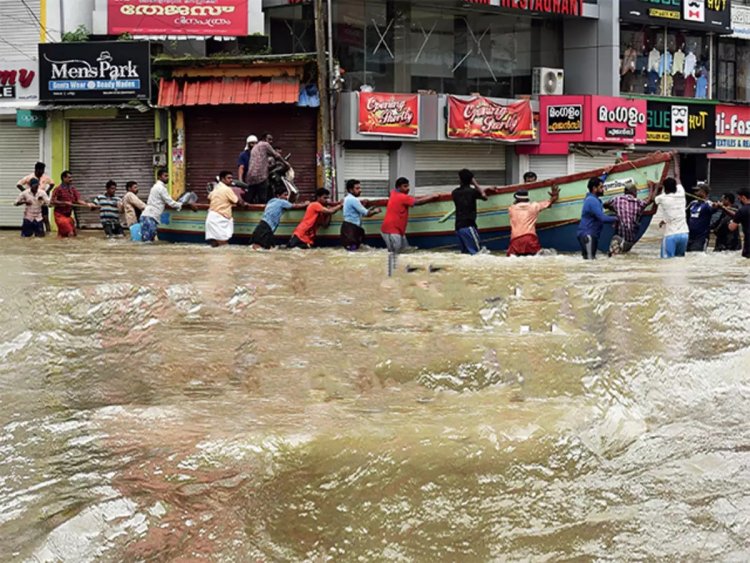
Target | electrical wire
(41,25)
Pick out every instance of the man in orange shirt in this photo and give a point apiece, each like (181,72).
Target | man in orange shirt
(523,215)
(219,221)
(304,234)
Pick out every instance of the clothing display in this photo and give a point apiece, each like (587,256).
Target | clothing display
(690,61)
(665,63)
(678,62)
(654,58)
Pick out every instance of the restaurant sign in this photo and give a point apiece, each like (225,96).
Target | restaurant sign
(681,124)
(733,131)
(484,118)
(95,71)
(178,17)
(387,114)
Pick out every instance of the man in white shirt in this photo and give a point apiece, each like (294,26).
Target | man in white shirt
(158,199)
(672,204)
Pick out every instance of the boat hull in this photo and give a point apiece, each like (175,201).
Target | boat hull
(431,226)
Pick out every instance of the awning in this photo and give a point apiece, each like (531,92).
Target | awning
(731,155)
(221,91)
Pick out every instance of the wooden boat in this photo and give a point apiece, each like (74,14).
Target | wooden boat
(431,226)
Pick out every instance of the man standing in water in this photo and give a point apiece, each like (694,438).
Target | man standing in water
(219,220)
(158,199)
(523,215)
(593,219)
(672,204)
(131,204)
(699,220)
(393,229)
(725,238)
(304,234)
(529,177)
(352,233)
(64,197)
(742,218)
(109,210)
(263,235)
(628,209)
(465,199)
(45,185)
(34,198)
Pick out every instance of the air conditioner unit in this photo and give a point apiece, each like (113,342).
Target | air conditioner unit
(547,81)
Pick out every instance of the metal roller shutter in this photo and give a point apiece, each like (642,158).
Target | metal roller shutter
(548,166)
(582,163)
(729,176)
(369,167)
(110,149)
(437,164)
(19,150)
(215,136)
(20,29)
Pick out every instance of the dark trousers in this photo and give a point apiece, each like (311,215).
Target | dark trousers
(588,246)
(257,193)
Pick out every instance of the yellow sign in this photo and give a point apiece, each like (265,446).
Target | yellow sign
(658,136)
(659,13)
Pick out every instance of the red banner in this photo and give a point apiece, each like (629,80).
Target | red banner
(388,114)
(177,17)
(483,118)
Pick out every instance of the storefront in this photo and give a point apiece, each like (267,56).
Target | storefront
(20,132)
(687,127)
(97,98)
(729,170)
(667,48)
(214,106)
(733,81)
(581,133)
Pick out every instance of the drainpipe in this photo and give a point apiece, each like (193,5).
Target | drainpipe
(325,101)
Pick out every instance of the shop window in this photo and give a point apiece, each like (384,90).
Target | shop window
(727,66)
(664,62)
(742,80)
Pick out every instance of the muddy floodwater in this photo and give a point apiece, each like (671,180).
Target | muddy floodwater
(173,402)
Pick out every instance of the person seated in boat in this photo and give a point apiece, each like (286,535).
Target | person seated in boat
(317,212)
(628,209)
(523,215)
(219,220)
(263,235)
(593,219)
(393,229)
(529,177)
(352,233)
(465,199)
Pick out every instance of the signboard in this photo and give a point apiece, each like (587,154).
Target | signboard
(95,71)
(394,115)
(484,118)
(177,17)
(31,119)
(564,119)
(741,22)
(733,131)
(618,120)
(708,15)
(602,119)
(19,82)
(681,124)
(561,7)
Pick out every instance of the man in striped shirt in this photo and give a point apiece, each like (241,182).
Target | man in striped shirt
(109,210)
(628,209)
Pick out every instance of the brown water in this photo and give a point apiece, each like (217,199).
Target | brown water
(178,402)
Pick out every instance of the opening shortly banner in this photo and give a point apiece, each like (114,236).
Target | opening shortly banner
(388,114)
(177,17)
(483,118)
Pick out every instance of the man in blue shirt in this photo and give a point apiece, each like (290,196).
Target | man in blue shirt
(352,233)
(243,161)
(592,219)
(699,214)
(263,233)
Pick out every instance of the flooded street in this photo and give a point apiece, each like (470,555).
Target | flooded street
(177,402)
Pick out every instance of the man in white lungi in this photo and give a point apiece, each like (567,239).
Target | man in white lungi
(219,222)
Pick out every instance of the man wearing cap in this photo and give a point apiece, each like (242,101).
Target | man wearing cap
(243,161)
(523,215)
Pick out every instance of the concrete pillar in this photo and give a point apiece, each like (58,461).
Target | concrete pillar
(591,50)
(402,163)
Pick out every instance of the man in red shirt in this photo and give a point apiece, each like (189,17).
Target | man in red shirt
(64,198)
(304,234)
(393,229)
